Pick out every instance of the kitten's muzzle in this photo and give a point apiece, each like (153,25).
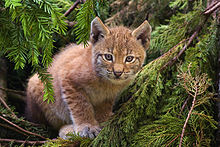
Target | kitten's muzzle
(117,73)
(118,70)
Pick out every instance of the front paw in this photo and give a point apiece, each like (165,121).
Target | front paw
(65,130)
(87,130)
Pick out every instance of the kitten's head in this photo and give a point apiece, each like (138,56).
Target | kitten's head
(118,53)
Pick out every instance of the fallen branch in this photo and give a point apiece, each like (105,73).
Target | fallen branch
(13,114)
(28,132)
(23,141)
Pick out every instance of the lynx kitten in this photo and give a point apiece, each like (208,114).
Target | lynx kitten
(87,80)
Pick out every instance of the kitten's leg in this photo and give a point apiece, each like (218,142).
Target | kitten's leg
(81,114)
(103,111)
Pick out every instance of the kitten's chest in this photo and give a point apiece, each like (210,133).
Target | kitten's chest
(101,92)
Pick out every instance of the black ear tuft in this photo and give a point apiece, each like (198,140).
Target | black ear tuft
(98,30)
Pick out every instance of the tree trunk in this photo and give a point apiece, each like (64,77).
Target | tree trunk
(3,78)
(218,46)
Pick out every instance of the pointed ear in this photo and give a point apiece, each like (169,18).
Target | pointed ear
(98,30)
(143,33)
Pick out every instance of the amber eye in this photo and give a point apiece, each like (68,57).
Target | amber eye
(108,57)
(129,58)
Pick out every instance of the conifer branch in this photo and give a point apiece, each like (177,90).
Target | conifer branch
(172,61)
(23,141)
(212,8)
(7,107)
(184,105)
(172,140)
(72,8)
(188,116)
(207,13)
(28,132)
(194,86)
(13,91)
(70,23)
(12,128)
(2,9)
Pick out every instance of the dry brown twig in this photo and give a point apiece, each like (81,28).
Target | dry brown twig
(194,86)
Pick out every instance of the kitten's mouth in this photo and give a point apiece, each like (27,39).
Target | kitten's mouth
(118,79)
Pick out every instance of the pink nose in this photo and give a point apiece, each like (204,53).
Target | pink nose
(117,73)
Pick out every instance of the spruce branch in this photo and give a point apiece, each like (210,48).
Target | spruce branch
(170,50)
(13,114)
(46,78)
(12,128)
(210,9)
(72,8)
(21,129)
(13,91)
(84,18)
(173,60)
(2,9)
(23,141)
(7,107)
(173,140)
(207,13)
